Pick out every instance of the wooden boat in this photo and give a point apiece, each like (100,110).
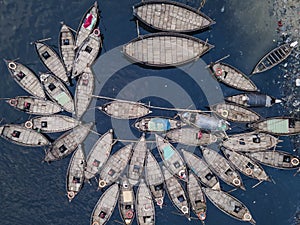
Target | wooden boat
(126,201)
(154,179)
(171,16)
(246,165)
(232,77)
(105,206)
(204,121)
(20,135)
(165,49)
(277,159)
(229,205)
(87,53)
(67,47)
(222,168)
(75,174)
(33,105)
(51,124)
(83,93)
(273,58)
(196,197)
(58,92)
(191,136)
(98,155)
(250,142)
(202,170)
(176,193)
(87,24)
(235,113)
(136,165)
(125,110)
(52,61)
(68,142)
(157,124)
(253,100)
(114,166)
(171,158)
(145,212)
(278,126)
(26,78)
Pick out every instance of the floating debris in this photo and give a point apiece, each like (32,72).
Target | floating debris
(33,105)
(20,135)
(98,155)
(136,165)
(154,179)
(67,47)
(250,142)
(51,124)
(235,113)
(75,174)
(145,213)
(105,206)
(125,110)
(171,16)
(157,124)
(232,77)
(26,78)
(165,49)
(67,143)
(253,100)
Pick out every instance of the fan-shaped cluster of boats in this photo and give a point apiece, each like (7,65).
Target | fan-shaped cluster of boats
(135,164)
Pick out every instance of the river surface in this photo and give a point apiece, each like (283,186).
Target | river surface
(33,193)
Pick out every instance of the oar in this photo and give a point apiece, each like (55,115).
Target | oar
(41,40)
(225,57)
(254,186)
(117,221)
(62,23)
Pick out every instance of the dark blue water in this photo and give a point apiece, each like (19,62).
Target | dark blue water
(34,193)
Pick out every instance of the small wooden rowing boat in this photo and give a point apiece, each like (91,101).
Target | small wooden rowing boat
(87,24)
(246,165)
(204,121)
(87,53)
(277,159)
(235,113)
(222,168)
(105,206)
(171,16)
(67,47)
(145,212)
(278,126)
(154,179)
(202,170)
(274,57)
(33,105)
(26,78)
(125,110)
(229,205)
(98,155)
(232,77)
(176,193)
(68,142)
(136,165)
(165,49)
(52,61)
(58,92)
(51,124)
(126,201)
(22,136)
(157,124)
(250,142)
(191,136)
(114,166)
(75,174)
(83,93)
(196,197)
(253,100)
(171,158)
